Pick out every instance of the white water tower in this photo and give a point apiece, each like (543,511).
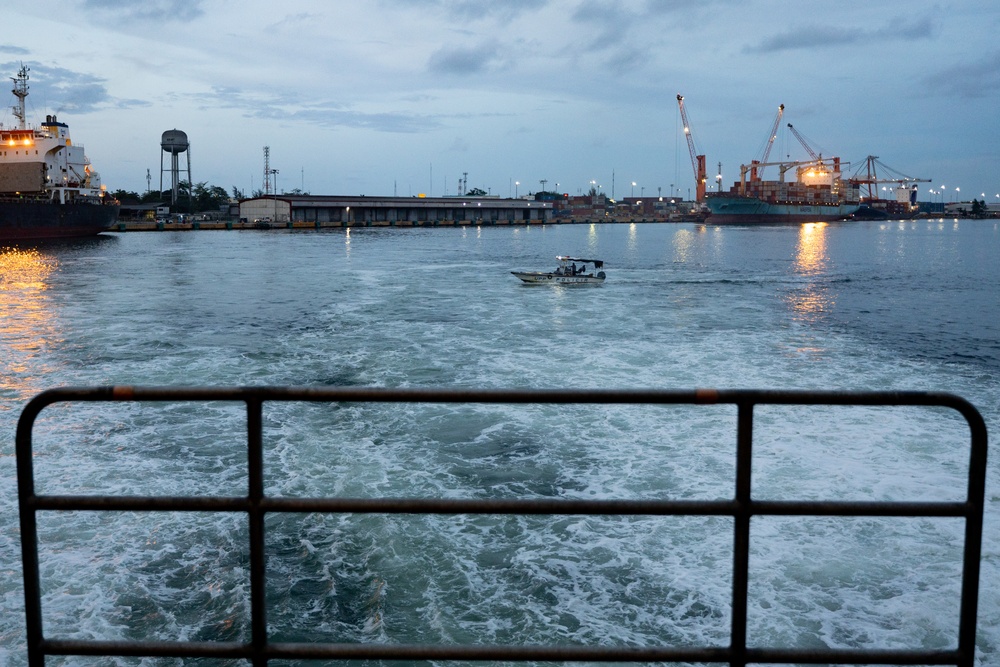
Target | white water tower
(175,142)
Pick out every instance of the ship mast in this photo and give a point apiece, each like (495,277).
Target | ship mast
(20,91)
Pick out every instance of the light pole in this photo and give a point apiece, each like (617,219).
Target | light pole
(633,190)
(957,190)
(516,183)
(274,176)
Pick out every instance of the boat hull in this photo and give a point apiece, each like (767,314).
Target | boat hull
(27,221)
(754,211)
(544,278)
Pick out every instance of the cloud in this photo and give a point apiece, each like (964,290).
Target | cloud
(322,113)
(811,37)
(465,60)
(296,21)
(62,90)
(686,7)
(65,90)
(149,10)
(470,10)
(13,50)
(969,80)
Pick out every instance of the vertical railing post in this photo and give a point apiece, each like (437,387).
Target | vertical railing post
(973,539)
(255,492)
(29,539)
(741,528)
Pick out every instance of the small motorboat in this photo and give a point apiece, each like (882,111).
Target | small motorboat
(571,271)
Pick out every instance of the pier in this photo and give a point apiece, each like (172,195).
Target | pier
(324,212)
(196,225)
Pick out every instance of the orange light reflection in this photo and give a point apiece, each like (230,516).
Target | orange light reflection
(811,260)
(27,325)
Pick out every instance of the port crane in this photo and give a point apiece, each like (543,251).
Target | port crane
(757,166)
(871,179)
(697,161)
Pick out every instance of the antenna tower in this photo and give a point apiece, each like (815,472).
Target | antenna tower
(267,170)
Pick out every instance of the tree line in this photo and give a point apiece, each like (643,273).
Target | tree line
(198,198)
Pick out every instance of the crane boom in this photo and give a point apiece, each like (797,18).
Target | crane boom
(774,132)
(802,141)
(697,161)
(757,171)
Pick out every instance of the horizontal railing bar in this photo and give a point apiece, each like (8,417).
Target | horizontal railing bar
(290,650)
(854,656)
(161,649)
(566,396)
(500,506)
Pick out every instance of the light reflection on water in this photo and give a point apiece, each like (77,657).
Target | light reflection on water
(815,297)
(27,324)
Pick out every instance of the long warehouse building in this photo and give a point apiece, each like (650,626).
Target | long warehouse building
(361,210)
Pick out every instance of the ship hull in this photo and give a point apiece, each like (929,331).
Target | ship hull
(754,211)
(29,221)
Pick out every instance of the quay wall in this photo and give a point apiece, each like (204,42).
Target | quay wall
(149,226)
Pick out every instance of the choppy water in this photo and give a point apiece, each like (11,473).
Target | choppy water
(890,305)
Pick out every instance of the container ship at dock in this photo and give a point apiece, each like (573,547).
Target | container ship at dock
(48,189)
(819,193)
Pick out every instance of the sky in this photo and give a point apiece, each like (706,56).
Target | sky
(407,97)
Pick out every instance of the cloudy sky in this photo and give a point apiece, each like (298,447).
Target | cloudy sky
(404,96)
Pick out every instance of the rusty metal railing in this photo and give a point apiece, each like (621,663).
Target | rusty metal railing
(260,650)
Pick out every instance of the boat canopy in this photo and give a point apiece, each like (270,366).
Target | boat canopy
(598,263)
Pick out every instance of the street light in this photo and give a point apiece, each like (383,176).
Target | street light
(516,183)
(633,189)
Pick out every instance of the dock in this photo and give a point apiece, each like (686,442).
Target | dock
(199,225)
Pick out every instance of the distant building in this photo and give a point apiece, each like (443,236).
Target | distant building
(361,210)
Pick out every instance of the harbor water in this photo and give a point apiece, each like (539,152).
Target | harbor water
(897,305)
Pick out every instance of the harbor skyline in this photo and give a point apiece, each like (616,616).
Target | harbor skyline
(397,98)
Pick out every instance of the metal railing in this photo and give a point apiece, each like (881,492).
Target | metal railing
(259,650)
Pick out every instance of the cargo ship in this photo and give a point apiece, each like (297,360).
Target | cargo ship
(819,193)
(48,188)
